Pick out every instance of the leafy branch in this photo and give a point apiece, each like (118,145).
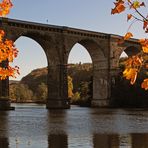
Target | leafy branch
(134,64)
(8,51)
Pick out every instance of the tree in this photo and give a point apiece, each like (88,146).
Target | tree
(125,95)
(8,51)
(20,93)
(42,92)
(83,96)
(75,98)
(70,87)
(84,89)
(134,64)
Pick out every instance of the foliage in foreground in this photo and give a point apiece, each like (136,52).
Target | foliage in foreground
(137,62)
(8,51)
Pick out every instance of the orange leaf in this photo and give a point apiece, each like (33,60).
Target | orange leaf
(2,33)
(145,26)
(119,7)
(128,35)
(134,61)
(146,66)
(145,84)
(142,4)
(129,16)
(145,49)
(130,74)
(144,43)
(5,6)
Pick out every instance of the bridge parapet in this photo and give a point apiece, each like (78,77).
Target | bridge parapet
(51,28)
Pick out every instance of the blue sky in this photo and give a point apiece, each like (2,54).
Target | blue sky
(85,14)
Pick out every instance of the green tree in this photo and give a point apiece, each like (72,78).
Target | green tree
(85,98)
(136,63)
(20,93)
(42,92)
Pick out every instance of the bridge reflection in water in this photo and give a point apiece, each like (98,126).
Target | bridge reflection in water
(31,126)
(97,141)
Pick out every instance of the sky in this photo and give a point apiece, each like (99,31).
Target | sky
(94,15)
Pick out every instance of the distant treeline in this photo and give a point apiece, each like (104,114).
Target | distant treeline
(33,87)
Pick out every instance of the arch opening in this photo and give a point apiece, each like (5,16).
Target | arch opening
(122,59)
(123,93)
(31,84)
(80,72)
(126,53)
(131,50)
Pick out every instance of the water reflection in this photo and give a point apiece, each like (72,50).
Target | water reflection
(139,140)
(35,127)
(57,141)
(98,141)
(4,143)
(112,141)
(57,122)
(3,124)
(118,141)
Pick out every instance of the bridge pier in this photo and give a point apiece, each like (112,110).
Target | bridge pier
(57,87)
(5,102)
(101,88)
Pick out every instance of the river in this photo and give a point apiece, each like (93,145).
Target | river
(32,126)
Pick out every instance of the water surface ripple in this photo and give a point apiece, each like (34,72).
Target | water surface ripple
(32,126)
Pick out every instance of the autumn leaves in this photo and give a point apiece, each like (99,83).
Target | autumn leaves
(8,51)
(5,6)
(144,44)
(135,63)
(121,5)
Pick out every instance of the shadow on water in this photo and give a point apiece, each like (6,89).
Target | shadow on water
(100,141)
(57,141)
(36,127)
(4,137)
(123,140)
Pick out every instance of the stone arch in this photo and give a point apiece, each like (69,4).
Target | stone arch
(100,72)
(34,44)
(129,50)
(54,78)
(80,57)
(93,48)
(79,53)
(31,56)
(37,37)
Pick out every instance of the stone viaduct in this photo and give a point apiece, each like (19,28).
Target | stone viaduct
(57,42)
